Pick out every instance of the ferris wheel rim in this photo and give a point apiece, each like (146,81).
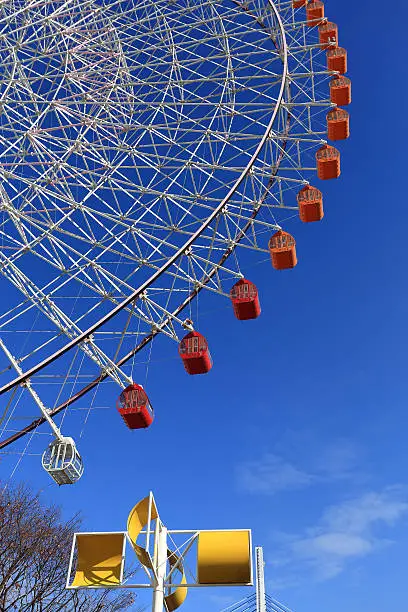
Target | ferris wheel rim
(84,336)
(146,340)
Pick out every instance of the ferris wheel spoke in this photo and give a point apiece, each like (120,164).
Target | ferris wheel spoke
(141,145)
(59,318)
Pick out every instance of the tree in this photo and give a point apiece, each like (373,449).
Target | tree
(35,545)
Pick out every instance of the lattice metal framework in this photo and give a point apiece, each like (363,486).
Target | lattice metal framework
(145,148)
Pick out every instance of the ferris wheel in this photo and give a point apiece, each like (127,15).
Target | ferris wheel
(146,148)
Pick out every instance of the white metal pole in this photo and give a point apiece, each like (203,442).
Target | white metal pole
(260,580)
(160,567)
(34,395)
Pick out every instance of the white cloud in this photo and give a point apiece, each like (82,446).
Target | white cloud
(340,460)
(346,531)
(358,516)
(333,543)
(270,475)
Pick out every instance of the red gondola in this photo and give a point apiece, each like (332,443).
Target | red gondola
(337,60)
(310,202)
(282,247)
(314,13)
(134,407)
(329,35)
(328,163)
(245,300)
(340,90)
(194,352)
(338,124)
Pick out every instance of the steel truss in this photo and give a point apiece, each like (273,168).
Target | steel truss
(145,147)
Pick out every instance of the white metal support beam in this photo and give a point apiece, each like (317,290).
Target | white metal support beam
(32,392)
(160,567)
(260,580)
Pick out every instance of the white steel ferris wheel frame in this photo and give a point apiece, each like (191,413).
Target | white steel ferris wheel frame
(84,339)
(86,334)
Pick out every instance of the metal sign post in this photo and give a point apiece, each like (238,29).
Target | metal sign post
(219,558)
(260,580)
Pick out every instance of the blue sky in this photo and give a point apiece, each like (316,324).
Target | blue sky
(299,431)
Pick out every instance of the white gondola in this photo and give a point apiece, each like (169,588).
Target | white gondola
(62,461)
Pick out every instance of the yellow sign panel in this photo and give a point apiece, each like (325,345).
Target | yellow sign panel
(100,559)
(224,557)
